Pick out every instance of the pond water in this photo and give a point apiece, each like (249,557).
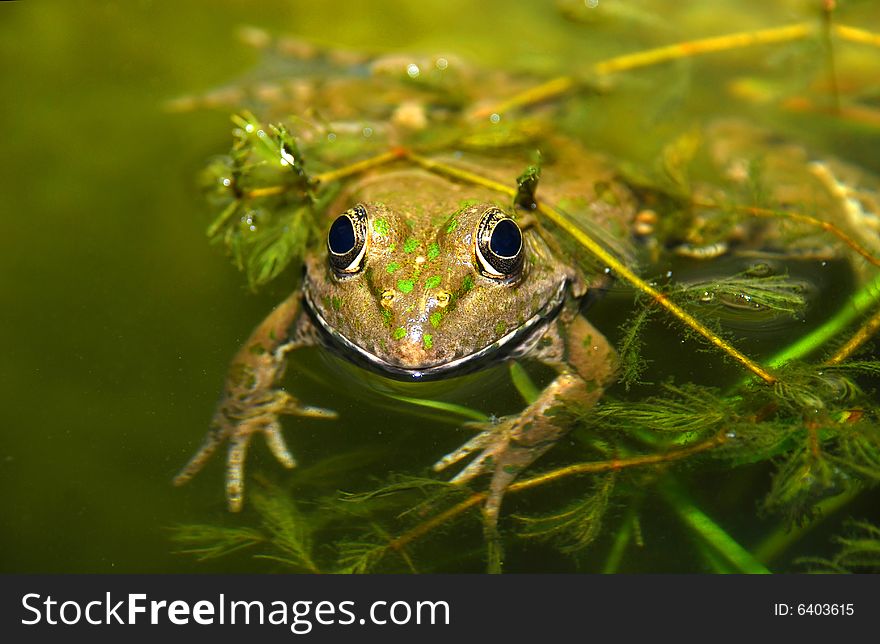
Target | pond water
(120,317)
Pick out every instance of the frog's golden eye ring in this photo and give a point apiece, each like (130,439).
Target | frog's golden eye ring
(347,241)
(499,245)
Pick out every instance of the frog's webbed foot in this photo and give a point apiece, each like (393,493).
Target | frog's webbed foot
(252,403)
(510,444)
(237,419)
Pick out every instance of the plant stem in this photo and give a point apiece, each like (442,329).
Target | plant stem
(360,166)
(716,563)
(595,467)
(691,48)
(867,297)
(523,383)
(780,539)
(710,532)
(854,34)
(865,333)
(621,542)
(451,408)
(828,7)
(806,219)
(649,57)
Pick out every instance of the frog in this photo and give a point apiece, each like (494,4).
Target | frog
(421,277)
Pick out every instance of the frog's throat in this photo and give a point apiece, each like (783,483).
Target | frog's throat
(512,345)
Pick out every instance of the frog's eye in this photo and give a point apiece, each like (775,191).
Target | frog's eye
(347,241)
(499,245)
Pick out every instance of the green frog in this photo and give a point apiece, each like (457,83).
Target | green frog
(421,278)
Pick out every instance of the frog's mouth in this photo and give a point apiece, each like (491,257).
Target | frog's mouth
(512,345)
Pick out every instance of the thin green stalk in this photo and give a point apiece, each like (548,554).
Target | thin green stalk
(523,383)
(621,543)
(856,341)
(784,536)
(714,561)
(865,299)
(710,532)
(452,408)
(828,42)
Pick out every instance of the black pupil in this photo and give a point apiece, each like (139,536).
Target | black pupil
(506,238)
(341,236)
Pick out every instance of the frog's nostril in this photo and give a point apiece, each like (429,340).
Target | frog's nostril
(443,298)
(387,298)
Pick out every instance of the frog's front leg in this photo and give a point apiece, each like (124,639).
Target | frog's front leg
(251,401)
(585,364)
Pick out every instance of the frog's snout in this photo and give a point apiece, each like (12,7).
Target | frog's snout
(414,318)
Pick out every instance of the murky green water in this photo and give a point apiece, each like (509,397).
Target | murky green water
(118,318)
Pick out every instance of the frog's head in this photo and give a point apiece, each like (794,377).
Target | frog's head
(425,296)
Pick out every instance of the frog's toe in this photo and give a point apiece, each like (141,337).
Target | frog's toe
(237,419)
(287,404)
(238,446)
(493,440)
(277,445)
(498,457)
(501,480)
(235,457)
(477,442)
(480,465)
(198,460)
(316,412)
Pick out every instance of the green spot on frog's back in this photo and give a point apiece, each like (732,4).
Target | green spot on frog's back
(433,251)
(500,328)
(453,224)
(405,286)
(399,333)
(467,283)
(386,317)
(435,319)
(433,281)
(336,303)
(393,266)
(410,245)
(428,339)
(381,227)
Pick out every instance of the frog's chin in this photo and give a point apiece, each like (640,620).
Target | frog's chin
(514,344)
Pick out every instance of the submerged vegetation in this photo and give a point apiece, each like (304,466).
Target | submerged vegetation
(820,432)
(799,428)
